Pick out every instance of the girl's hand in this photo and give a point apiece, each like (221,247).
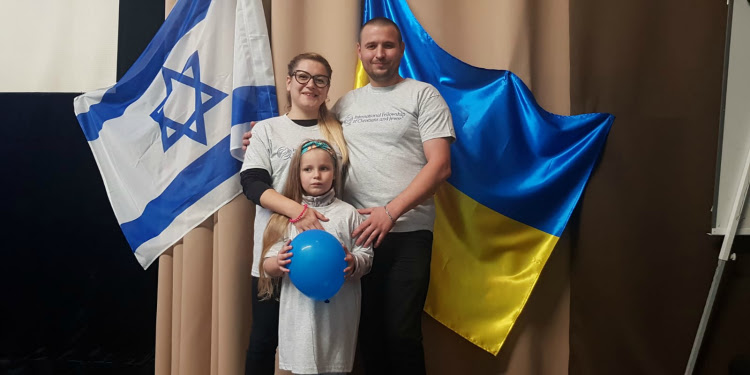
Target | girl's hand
(310,220)
(349,258)
(283,259)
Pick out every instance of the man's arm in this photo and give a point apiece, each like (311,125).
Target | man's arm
(438,168)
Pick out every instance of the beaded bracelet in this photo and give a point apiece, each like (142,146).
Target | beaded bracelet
(298,218)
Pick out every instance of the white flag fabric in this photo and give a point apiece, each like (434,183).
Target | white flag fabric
(163,135)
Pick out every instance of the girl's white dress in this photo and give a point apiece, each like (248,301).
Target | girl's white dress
(314,336)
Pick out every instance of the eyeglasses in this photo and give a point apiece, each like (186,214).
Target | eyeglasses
(303,77)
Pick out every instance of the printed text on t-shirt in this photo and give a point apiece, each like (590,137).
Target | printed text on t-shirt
(374,117)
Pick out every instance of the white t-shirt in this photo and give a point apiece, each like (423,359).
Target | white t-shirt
(271,148)
(385,128)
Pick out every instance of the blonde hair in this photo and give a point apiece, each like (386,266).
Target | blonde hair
(330,127)
(278,225)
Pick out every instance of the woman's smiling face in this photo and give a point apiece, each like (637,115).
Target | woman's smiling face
(307,97)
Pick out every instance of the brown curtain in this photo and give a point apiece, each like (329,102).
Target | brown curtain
(643,262)
(623,291)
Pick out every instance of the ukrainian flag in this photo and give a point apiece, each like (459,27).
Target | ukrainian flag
(518,172)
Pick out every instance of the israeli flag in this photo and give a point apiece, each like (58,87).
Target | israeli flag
(167,136)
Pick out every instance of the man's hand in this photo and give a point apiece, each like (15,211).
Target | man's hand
(310,220)
(375,228)
(246,137)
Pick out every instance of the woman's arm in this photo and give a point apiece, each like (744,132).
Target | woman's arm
(257,186)
(310,219)
(257,183)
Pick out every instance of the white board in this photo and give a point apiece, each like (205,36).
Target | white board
(58,46)
(734,138)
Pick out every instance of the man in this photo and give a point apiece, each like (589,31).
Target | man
(398,133)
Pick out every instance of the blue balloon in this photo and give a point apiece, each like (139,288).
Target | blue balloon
(317,264)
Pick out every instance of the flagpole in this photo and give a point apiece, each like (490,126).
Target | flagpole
(724,255)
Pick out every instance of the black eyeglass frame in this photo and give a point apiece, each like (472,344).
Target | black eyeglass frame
(314,79)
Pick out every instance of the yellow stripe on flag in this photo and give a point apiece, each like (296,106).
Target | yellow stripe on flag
(484,264)
(484,267)
(360,76)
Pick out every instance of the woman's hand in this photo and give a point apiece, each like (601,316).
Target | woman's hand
(310,220)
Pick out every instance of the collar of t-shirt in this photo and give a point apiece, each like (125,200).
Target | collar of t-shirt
(306,123)
(386,89)
(320,200)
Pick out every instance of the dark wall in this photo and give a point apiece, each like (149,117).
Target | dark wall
(74,298)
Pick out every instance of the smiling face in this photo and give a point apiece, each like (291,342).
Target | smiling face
(316,172)
(307,98)
(380,50)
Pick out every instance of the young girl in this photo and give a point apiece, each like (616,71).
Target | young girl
(314,336)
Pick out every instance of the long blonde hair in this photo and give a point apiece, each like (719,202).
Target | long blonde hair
(330,127)
(278,225)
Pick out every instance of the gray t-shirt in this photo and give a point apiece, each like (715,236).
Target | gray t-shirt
(314,336)
(384,129)
(272,147)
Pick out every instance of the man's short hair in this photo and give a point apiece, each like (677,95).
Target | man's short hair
(380,21)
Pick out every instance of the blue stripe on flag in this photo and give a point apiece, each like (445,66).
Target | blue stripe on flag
(183,17)
(510,154)
(518,159)
(253,103)
(191,184)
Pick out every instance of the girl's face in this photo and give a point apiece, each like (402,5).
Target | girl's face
(308,96)
(316,172)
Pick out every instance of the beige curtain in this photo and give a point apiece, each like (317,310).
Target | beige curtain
(203,313)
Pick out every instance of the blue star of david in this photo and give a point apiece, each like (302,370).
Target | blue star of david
(201,106)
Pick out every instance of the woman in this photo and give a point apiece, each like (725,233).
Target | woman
(264,173)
